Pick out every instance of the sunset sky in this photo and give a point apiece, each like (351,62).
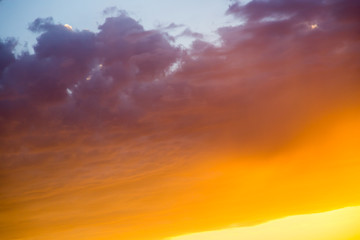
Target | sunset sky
(180,120)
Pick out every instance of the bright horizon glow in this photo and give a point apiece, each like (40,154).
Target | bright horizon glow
(341,224)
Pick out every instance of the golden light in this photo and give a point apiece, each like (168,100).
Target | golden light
(342,224)
(314,26)
(68,26)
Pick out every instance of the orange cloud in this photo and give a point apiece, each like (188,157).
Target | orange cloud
(100,140)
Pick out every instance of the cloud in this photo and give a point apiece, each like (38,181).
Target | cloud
(188,33)
(260,10)
(170,26)
(120,76)
(125,103)
(6,53)
(64,59)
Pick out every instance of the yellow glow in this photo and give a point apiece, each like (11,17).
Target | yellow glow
(68,26)
(316,172)
(313,26)
(341,224)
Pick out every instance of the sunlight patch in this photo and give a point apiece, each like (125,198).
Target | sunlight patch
(333,225)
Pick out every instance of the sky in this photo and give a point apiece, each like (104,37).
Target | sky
(82,15)
(179,120)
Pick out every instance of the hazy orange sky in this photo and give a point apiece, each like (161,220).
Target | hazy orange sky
(124,133)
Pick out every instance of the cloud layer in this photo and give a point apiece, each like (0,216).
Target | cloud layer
(268,70)
(122,111)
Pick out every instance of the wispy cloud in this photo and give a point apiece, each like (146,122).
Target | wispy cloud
(122,114)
